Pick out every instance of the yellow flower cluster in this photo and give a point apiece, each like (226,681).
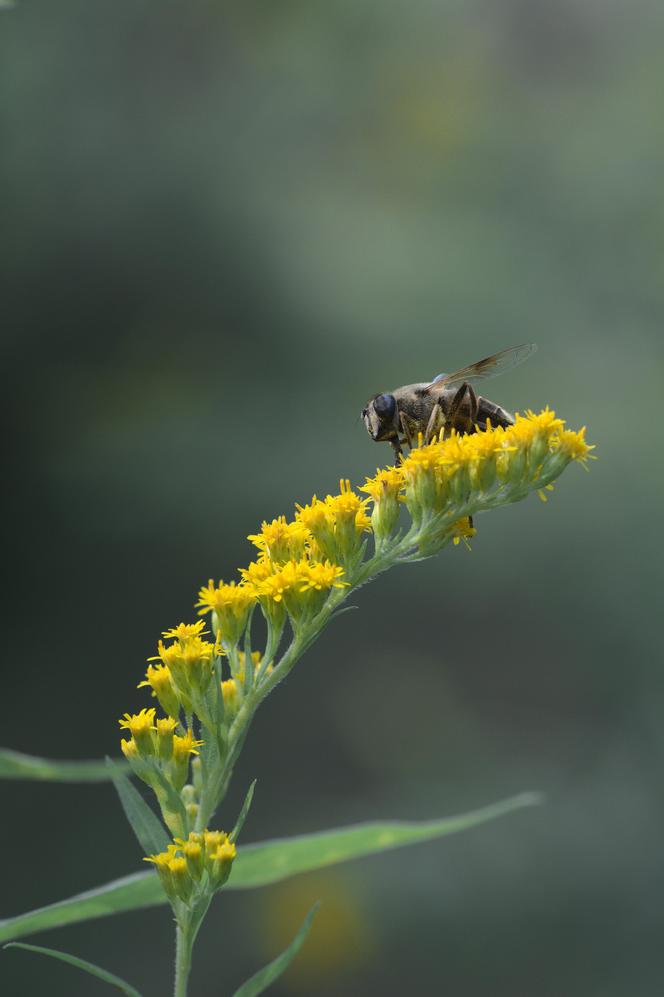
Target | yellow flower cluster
(155,741)
(299,587)
(188,660)
(336,525)
(189,865)
(475,471)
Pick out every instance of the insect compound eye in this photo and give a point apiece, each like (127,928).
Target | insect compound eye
(385,406)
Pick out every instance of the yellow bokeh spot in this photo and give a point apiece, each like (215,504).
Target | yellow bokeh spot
(340,940)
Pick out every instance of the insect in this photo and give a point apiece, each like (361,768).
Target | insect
(446,403)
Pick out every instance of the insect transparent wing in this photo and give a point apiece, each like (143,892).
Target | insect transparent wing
(492,366)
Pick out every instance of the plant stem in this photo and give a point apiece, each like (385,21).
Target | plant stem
(365,571)
(183,945)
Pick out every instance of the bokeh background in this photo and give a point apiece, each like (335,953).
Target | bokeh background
(225,225)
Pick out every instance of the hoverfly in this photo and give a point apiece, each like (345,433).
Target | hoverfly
(447,403)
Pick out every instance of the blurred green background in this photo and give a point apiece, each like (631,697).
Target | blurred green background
(224,227)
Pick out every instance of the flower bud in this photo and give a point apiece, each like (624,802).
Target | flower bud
(181,878)
(159,680)
(220,862)
(165,730)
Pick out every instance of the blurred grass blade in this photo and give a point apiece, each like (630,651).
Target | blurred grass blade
(87,967)
(15,765)
(239,823)
(261,980)
(261,864)
(147,827)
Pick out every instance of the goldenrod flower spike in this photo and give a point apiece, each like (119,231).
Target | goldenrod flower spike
(303,573)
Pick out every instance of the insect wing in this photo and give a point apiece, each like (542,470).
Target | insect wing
(492,366)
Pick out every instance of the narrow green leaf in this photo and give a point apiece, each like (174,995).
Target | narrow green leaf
(261,980)
(133,892)
(87,967)
(145,824)
(15,765)
(271,861)
(259,865)
(239,824)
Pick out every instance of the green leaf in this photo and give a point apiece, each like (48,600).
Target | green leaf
(140,889)
(271,861)
(261,980)
(87,967)
(260,864)
(15,765)
(239,823)
(146,825)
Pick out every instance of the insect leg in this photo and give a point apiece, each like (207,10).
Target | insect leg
(464,410)
(436,423)
(496,413)
(409,428)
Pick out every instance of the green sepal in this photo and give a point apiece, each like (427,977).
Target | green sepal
(261,980)
(239,823)
(145,824)
(171,802)
(248,660)
(87,967)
